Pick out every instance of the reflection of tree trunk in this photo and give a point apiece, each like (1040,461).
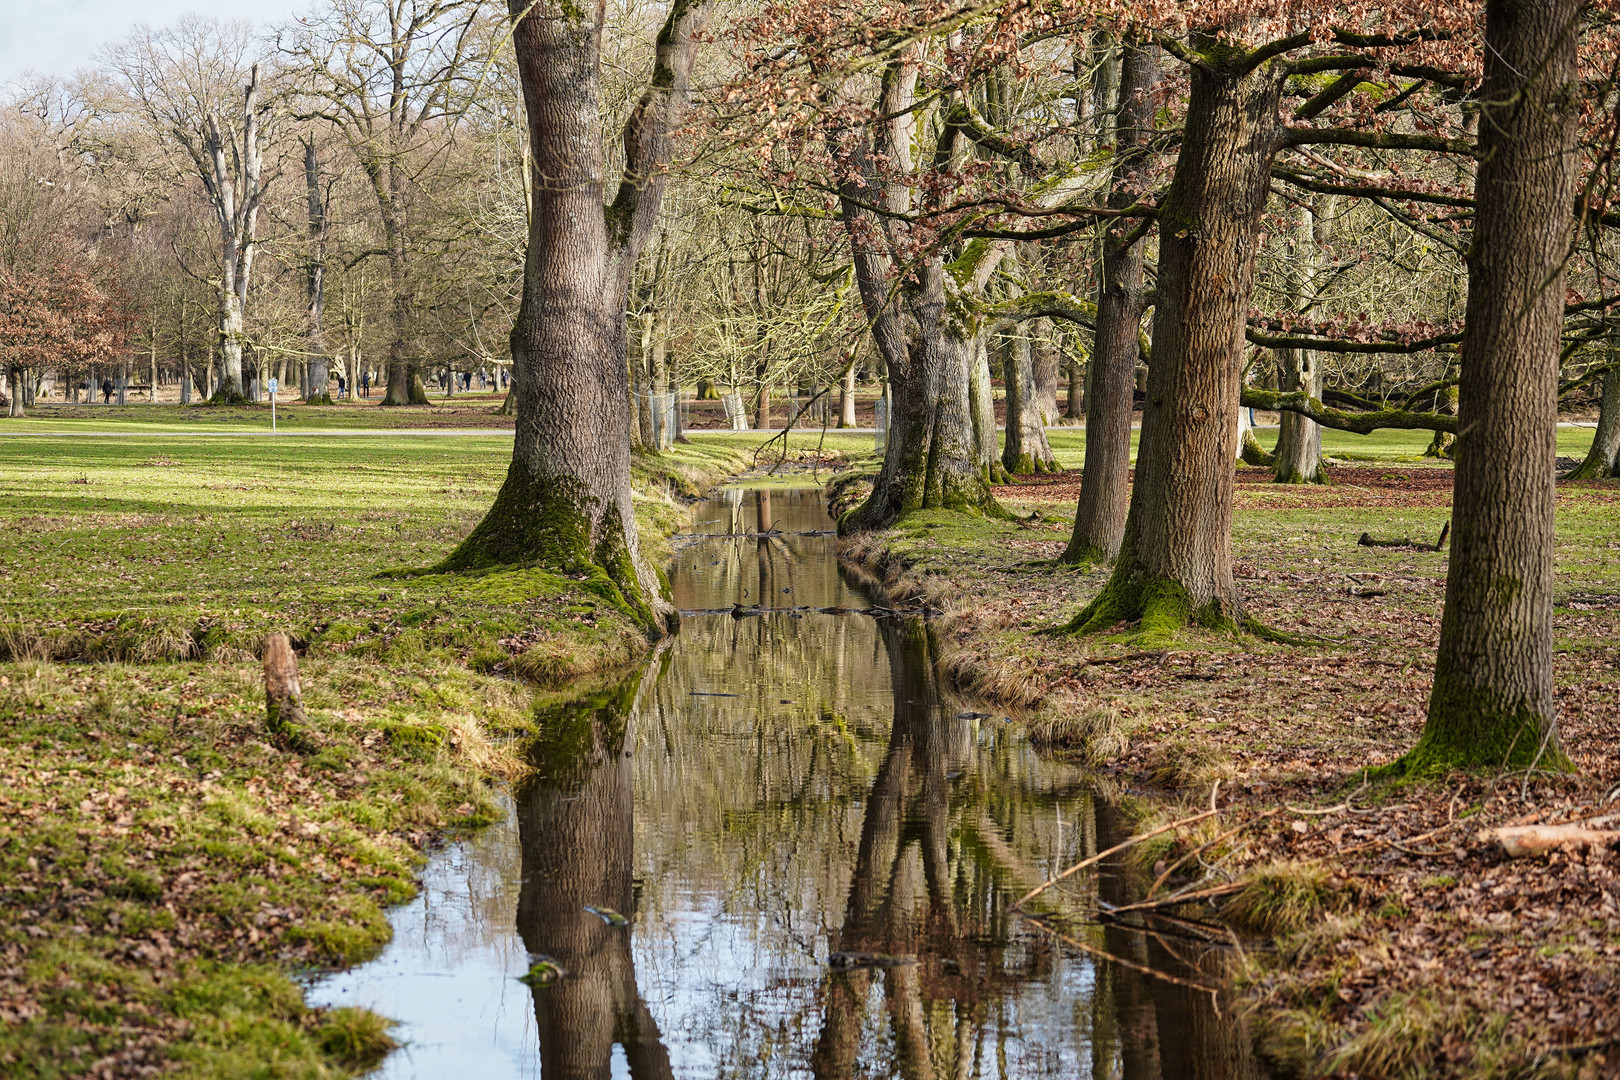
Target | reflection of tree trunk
(576,827)
(1135,1020)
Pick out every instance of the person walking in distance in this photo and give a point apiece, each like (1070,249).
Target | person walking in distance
(106,391)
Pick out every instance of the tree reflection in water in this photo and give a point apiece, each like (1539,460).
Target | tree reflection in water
(576,827)
(834,800)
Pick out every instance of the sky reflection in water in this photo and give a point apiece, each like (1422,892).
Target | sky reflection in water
(837,802)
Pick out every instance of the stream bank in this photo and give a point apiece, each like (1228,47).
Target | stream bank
(785,848)
(1400,942)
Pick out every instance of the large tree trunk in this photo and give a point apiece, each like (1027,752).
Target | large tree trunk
(1099,519)
(1492,701)
(1298,457)
(317,376)
(1074,406)
(14,395)
(1175,558)
(1026,451)
(566,500)
(1602,461)
(931,457)
(982,408)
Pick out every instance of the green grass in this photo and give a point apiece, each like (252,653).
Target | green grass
(167,861)
(1406,447)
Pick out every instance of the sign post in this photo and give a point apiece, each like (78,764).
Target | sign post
(271,386)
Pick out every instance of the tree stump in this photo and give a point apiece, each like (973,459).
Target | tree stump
(283,697)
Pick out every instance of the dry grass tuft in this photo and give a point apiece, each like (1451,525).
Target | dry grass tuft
(1097,735)
(1183,763)
(1284,898)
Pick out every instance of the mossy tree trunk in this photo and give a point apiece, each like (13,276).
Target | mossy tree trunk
(1492,701)
(1602,461)
(1175,558)
(932,458)
(1026,451)
(1110,400)
(566,500)
(982,408)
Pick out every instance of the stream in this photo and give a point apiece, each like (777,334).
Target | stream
(803,853)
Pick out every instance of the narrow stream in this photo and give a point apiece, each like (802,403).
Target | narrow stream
(814,851)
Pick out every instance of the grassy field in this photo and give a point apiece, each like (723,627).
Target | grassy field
(166,861)
(169,863)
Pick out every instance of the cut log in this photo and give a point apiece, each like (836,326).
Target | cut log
(1531,840)
(283,697)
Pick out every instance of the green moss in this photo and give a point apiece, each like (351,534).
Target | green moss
(1472,728)
(419,741)
(357,1039)
(1282,898)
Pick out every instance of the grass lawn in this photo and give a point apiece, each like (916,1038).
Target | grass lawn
(166,862)
(1069,445)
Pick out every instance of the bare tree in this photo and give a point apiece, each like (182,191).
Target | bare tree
(198,89)
(391,77)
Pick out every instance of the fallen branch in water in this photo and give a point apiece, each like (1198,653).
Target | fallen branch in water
(1120,960)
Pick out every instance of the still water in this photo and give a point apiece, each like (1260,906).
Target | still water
(815,850)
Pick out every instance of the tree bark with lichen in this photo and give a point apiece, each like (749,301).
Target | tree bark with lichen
(566,500)
(1491,705)
(932,459)
(1175,557)
(1099,519)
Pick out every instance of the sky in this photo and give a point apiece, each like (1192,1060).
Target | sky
(57,36)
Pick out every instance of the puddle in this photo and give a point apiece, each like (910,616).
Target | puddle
(815,852)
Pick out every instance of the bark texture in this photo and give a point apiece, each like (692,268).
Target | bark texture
(931,459)
(1602,461)
(1099,519)
(1026,451)
(566,500)
(283,693)
(1492,701)
(1175,558)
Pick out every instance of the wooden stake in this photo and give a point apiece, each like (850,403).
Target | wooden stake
(283,697)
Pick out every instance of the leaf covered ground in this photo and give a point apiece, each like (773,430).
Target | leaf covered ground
(167,865)
(1391,939)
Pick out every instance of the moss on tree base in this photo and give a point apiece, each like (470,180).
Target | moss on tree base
(547,521)
(228,395)
(1160,608)
(1320,476)
(1255,454)
(1471,729)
